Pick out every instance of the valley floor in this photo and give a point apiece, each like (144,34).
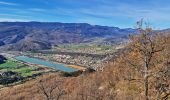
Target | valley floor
(14,72)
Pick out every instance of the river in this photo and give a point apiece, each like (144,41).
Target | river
(56,66)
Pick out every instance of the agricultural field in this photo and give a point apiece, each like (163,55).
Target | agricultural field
(14,72)
(86,48)
(21,69)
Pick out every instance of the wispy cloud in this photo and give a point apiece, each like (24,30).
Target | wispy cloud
(112,12)
(37,9)
(12,20)
(8,3)
(14,15)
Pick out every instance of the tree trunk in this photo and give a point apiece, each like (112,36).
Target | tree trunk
(146,78)
(146,87)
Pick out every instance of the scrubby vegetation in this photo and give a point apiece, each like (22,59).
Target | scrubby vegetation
(141,72)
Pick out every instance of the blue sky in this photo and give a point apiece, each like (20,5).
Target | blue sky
(120,13)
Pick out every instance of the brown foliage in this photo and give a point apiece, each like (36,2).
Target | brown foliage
(120,80)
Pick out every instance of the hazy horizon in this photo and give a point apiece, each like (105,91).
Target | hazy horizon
(114,13)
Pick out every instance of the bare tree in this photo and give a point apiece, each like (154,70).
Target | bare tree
(51,90)
(91,88)
(147,46)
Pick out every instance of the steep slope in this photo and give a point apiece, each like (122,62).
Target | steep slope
(27,45)
(14,34)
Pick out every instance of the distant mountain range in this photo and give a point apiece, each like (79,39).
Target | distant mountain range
(27,36)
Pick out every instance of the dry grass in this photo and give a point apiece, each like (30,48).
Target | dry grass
(111,84)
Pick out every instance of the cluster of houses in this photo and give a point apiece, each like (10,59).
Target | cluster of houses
(97,63)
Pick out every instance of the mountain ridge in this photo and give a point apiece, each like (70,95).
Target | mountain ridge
(53,33)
